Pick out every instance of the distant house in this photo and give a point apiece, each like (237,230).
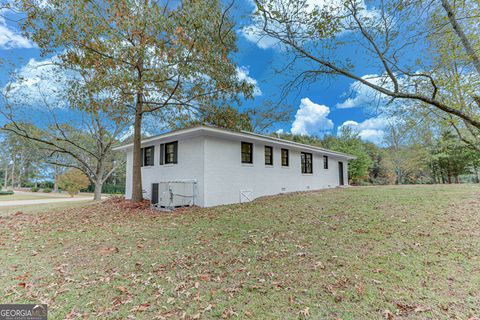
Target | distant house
(208,166)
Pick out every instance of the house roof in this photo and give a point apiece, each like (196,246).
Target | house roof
(208,130)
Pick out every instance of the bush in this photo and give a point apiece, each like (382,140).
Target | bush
(46,184)
(47,190)
(73,181)
(34,189)
(6,193)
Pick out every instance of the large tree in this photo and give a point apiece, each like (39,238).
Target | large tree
(450,158)
(258,119)
(141,57)
(83,142)
(406,46)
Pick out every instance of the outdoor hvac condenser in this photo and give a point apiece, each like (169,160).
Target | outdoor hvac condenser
(174,194)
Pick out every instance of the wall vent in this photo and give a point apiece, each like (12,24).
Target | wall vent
(246,195)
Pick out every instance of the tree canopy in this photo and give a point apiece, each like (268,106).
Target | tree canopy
(140,57)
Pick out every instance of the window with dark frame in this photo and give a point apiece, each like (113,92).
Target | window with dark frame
(284,157)
(268,156)
(325,162)
(247,152)
(148,155)
(307,162)
(171,152)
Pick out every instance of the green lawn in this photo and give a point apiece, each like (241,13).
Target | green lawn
(41,208)
(356,253)
(29,196)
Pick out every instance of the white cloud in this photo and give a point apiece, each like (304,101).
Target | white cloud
(11,38)
(243,75)
(363,95)
(372,135)
(254,32)
(372,129)
(39,83)
(311,118)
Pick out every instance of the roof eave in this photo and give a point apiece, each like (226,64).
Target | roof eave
(238,134)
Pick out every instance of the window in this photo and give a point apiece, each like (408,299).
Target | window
(307,162)
(247,152)
(268,155)
(285,157)
(325,162)
(169,152)
(147,155)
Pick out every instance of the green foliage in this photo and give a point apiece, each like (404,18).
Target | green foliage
(257,119)
(34,189)
(21,155)
(73,181)
(349,142)
(47,190)
(451,158)
(6,193)
(218,116)
(413,155)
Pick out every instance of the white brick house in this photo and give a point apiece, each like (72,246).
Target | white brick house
(230,167)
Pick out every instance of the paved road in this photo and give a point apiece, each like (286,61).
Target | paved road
(40,201)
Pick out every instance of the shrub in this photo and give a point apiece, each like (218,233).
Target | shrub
(6,193)
(47,190)
(46,184)
(73,181)
(34,189)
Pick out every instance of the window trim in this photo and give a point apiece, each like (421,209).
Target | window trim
(325,162)
(270,163)
(250,153)
(144,157)
(303,162)
(287,157)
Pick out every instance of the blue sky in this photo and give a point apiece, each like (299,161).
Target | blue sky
(317,108)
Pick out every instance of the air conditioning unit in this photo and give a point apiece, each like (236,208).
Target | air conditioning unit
(174,194)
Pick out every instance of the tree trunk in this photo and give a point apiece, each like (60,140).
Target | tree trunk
(13,175)
(99,179)
(98,190)
(137,194)
(55,183)
(19,177)
(457,179)
(5,181)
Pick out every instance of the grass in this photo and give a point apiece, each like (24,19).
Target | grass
(22,196)
(357,253)
(41,208)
